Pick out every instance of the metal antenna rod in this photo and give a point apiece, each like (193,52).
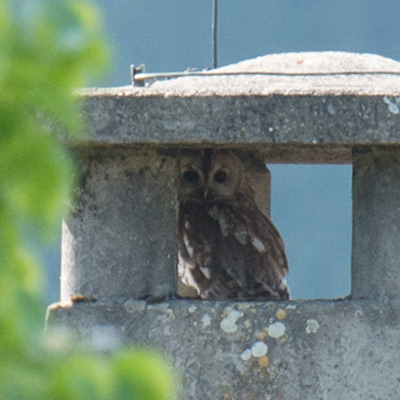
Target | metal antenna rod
(214,27)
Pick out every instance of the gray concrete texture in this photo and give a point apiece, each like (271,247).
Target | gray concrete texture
(119,243)
(328,102)
(120,239)
(376,223)
(325,350)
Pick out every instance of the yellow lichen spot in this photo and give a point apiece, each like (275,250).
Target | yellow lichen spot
(284,339)
(263,361)
(262,335)
(253,311)
(281,314)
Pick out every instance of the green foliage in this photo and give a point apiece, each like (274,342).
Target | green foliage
(135,374)
(48,48)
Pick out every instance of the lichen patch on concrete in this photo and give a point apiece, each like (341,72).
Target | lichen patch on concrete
(392,105)
(246,355)
(312,326)
(205,321)
(259,349)
(276,330)
(281,314)
(191,309)
(228,324)
(263,361)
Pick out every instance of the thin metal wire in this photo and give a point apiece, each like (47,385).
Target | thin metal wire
(214,28)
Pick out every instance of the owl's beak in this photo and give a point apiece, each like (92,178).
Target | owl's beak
(209,194)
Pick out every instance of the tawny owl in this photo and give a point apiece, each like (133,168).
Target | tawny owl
(228,249)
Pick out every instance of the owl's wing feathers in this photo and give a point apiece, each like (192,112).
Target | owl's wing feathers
(256,258)
(198,237)
(231,252)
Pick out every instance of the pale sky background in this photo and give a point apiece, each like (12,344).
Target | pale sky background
(311,204)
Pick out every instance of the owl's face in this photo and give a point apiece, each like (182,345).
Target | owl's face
(209,175)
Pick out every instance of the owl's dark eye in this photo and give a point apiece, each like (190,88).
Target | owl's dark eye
(220,176)
(191,176)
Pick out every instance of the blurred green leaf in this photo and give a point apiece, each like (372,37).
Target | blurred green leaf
(82,377)
(144,375)
(47,49)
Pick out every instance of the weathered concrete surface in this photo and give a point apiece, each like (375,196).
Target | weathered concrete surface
(325,103)
(324,350)
(376,223)
(302,73)
(260,178)
(120,239)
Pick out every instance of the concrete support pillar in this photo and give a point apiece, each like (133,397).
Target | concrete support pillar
(376,223)
(120,239)
(260,179)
